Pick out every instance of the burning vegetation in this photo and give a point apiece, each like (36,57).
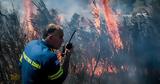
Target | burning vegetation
(112,47)
(112,24)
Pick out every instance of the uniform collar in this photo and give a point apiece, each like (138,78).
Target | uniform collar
(49,46)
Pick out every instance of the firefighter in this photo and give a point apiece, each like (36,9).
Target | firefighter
(39,62)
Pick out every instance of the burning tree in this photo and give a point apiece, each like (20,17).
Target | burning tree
(117,48)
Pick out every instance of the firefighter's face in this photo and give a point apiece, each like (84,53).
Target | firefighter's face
(56,40)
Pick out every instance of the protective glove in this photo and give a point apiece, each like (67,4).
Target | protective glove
(69,46)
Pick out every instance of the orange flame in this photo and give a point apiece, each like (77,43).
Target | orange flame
(100,68)
(112,24)
(28,12)
(95,13)
(59,56)
(60,19)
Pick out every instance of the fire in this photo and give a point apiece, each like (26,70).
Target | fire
(60,19)
(59,56)
(100,68)
(95,13)
(28,12)
(94,67)
(112,23)
(98,71)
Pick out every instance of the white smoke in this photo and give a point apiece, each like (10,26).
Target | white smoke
(69,7)
(64,7)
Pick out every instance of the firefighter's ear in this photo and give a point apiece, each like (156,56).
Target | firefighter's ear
(50,36)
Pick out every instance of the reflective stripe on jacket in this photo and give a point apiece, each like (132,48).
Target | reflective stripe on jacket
(40,64)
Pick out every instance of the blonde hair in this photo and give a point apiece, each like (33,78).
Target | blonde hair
(52,29)
(54,26)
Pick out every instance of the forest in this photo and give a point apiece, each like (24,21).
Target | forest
(118,42)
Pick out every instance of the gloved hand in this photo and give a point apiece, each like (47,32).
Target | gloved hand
(69,46)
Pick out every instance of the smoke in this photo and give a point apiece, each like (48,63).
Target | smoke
(144,58)
(65,7)
(9,4)
(69,7)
